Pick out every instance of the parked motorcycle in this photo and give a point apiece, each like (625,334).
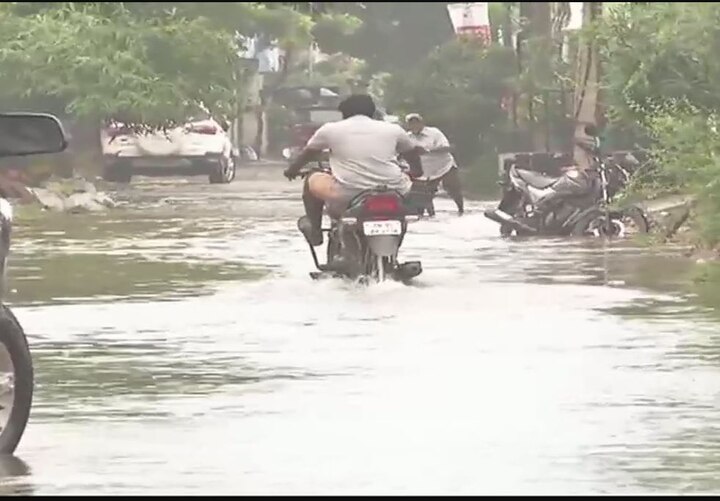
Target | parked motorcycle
(20,134)
(584,212)
(363,243)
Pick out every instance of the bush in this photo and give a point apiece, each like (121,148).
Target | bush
(661,74)
(480,177)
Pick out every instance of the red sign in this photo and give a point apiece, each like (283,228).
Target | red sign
(470,19)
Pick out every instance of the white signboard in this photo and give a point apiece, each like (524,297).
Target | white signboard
(576,16)
(470,19)
(269,57)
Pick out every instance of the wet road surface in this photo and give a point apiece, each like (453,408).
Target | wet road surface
(181,348)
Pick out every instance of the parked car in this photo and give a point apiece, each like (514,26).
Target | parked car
(307,122)
(202,146)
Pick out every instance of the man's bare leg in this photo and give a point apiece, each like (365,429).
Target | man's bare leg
(452,186)
(433,188)
(319,188)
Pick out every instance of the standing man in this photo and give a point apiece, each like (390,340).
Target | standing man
(438,162)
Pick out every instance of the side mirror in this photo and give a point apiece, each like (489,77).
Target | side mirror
(30,134)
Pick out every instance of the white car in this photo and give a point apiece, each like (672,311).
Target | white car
(200,147)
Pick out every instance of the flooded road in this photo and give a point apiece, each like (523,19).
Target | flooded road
(181,348)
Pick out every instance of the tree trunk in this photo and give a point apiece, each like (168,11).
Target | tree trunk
(537,59)
(587,85)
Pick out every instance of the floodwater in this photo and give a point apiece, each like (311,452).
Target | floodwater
(181,348)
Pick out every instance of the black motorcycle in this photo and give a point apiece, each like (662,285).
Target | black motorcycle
(363,243)
(582,213)
(20,134)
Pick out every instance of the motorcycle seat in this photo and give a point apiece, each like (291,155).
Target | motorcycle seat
(535,179)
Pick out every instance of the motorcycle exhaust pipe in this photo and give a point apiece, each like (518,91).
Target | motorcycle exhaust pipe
(411,269)
(501,217)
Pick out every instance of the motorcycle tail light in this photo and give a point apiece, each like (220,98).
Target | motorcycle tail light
(385,204)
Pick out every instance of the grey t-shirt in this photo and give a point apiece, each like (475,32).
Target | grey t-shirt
(363,152)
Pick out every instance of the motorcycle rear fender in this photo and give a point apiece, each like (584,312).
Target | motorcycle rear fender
(384,245)
(534,194)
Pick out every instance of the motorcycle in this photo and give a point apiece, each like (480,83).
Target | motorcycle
(586,212)
(422,192)
(21,134)
(363,243)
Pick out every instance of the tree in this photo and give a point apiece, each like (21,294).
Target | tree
(391,36)
(660,72)
(458,88)
(146,62)
(149,64)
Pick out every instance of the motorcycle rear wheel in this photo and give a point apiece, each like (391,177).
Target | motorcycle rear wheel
(379,268)
(594,223)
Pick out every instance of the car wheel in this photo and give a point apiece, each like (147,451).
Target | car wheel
(17,382)
(117,173)
(223,172)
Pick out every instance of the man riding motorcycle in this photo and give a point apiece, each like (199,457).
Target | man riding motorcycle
(363,155)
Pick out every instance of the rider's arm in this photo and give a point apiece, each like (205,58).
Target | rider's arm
(443,149)
(410,151)
(412,157)
(306,155)
(318,143)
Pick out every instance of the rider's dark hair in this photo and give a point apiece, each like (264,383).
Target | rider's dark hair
(357,104)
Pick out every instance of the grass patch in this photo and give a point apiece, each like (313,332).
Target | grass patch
(480,178)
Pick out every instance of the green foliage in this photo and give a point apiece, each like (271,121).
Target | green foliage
(115,67)
(660,52)
(331,31)
(338,69)
(150,62)
(389,36)
(661,73)
(479,177)
(687,152)
(458,88)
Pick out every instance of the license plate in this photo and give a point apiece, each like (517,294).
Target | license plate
(375,228)
(158,162)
